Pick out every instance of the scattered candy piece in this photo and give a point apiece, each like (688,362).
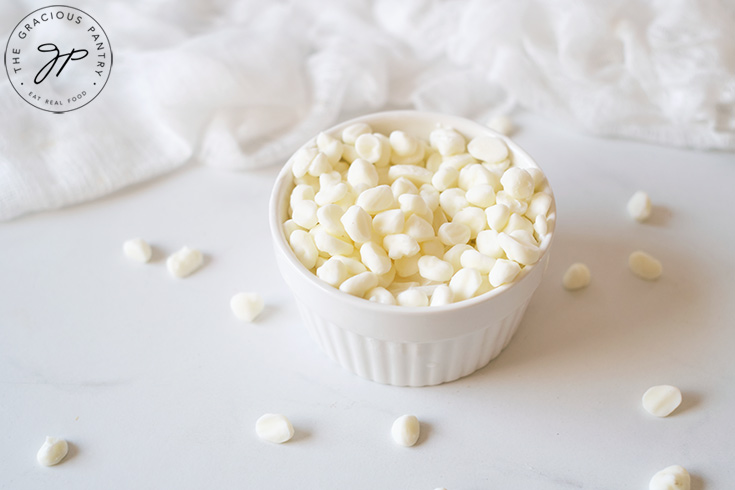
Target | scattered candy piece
(639,206)
(52,451)
(645,266)
(138,250)
(184,262)
(274,428)
(577,276)
(661,400)
(671,478)
(246,306)
(406,430)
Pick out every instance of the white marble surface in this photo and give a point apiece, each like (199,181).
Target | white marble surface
(156,385)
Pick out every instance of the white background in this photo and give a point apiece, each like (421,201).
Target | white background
(156,385)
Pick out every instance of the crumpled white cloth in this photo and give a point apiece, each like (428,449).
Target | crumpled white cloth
(239,84)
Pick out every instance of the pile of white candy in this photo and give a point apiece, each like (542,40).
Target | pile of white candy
(397,220)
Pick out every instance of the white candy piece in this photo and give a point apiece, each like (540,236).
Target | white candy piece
(639,206)
(541,226)
(381,295)
(501,123)
(488,149)
(319,165)
(672,478)
(302,160)
(497,216)
(577,276)
(333,271)
(369,147)
(538,177)
(413,204)
(414,173)
(389,222)
(304,213)
(352,132)
(289,226)
(516,222)
(330,244)
(138,250)
(458,161)
(475,219)
(475,174)
(247,306)
(452,201)
(400,245)
(184,262)
(52,451)
(412,297)
(645,266)
(539,205)
(329,218)
(406,430)
(407,266)
(503,272)
(487,244)
(302,192)
(445,178)
(304,247)
(430,196)
(362,174)
(519,206)
(376,199)
(402,186)
(454,255)
(482,195)
(475,260)
(330,146)
(375,258)
(517,183)
(518,250)
(331,194)
(435,269)
(447,141)
(441,296)
(661,400)
(360,284)
(349,154)
(465,283)
(358,224)
(403,144)
(353,265)
(418,228)
(274,428)
(452,234)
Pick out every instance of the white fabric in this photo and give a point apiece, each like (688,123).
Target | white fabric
(241,84)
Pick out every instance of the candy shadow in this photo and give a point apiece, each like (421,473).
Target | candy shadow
(697,483)
(157,255)
(660,216)
(300,434)
(71,453)
(425,434)
(689,401)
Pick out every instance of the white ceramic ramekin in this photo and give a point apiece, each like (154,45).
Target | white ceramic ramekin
(399,345)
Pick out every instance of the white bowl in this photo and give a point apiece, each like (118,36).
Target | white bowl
(399,345)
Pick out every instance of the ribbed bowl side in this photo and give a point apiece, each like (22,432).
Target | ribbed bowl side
(411,363)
